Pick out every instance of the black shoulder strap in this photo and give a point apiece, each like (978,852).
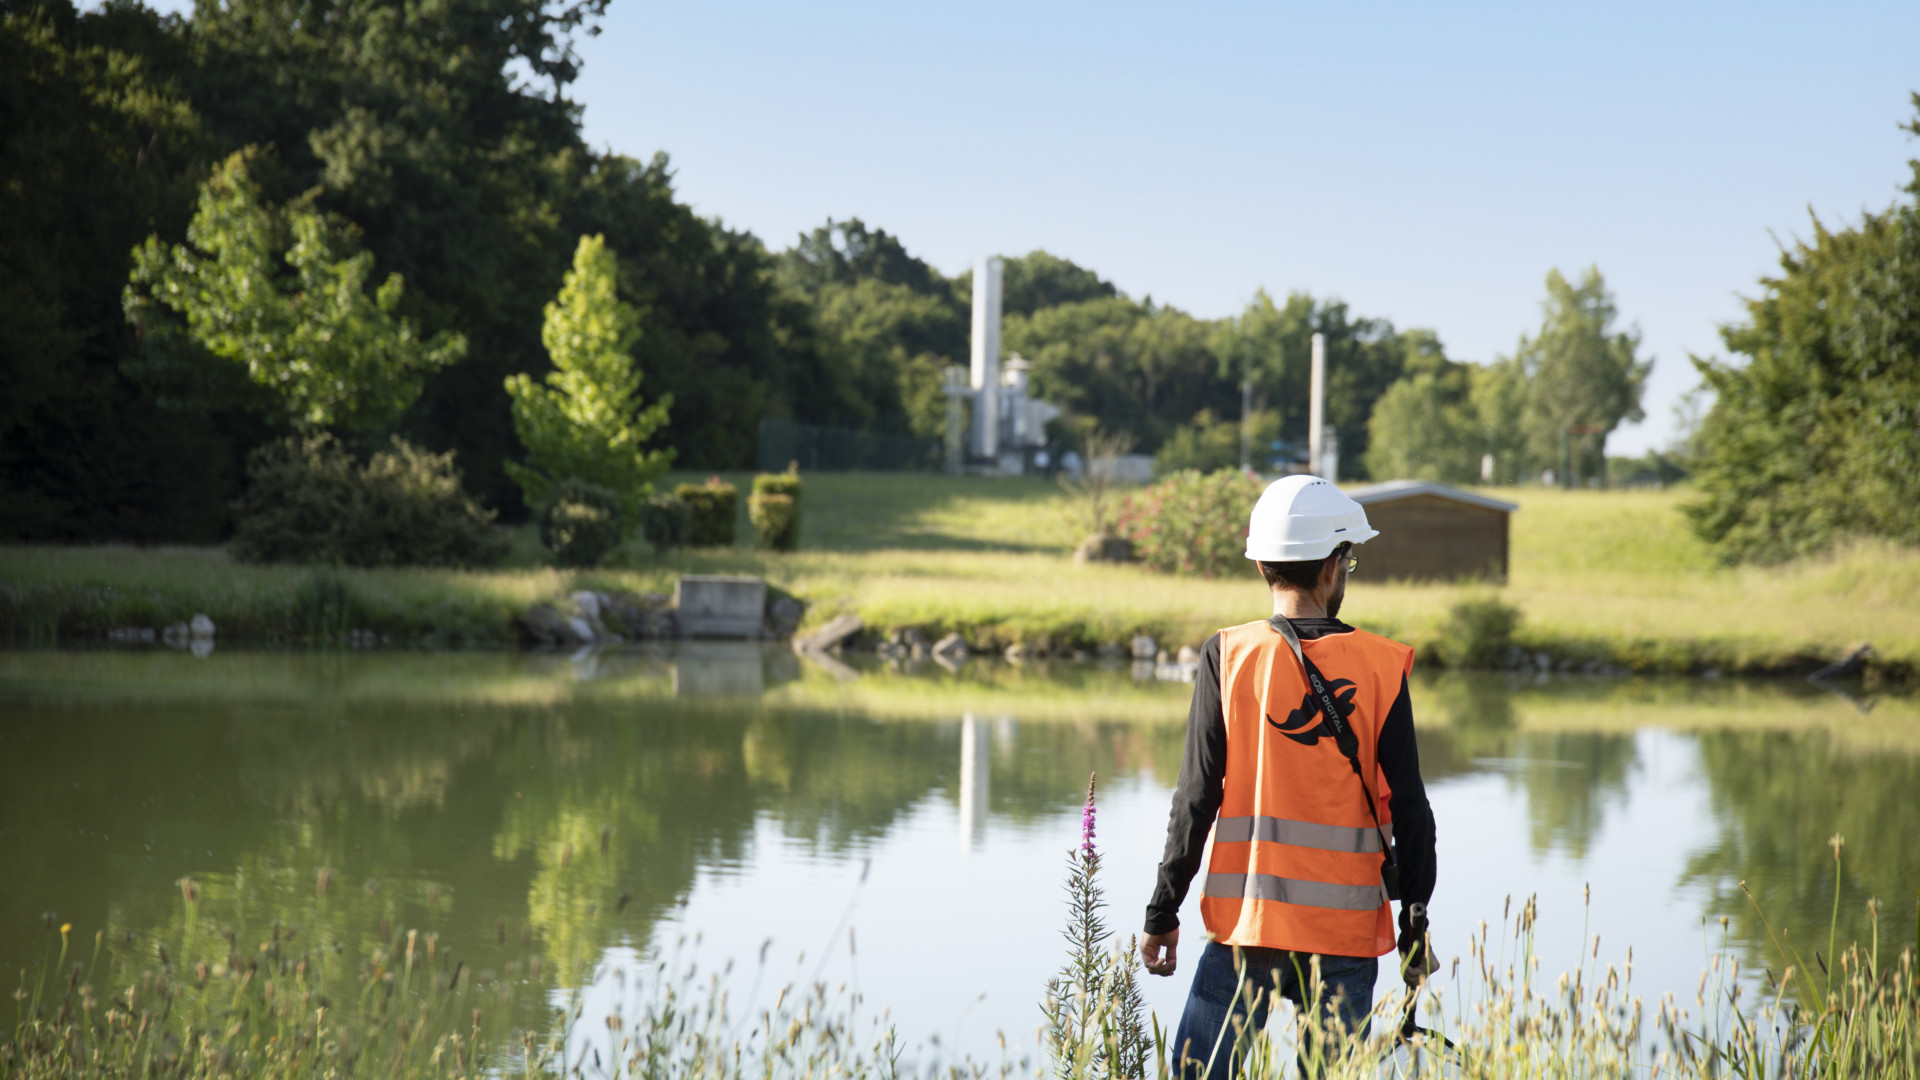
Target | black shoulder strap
(1343,736)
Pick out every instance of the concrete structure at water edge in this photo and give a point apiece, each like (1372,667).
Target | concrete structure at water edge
(1432,532)
(711,605)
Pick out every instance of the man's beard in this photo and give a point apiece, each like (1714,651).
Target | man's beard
(1333,602)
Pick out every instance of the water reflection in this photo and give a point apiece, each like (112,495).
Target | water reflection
(532,813)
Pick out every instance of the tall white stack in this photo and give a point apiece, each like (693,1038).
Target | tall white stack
(1316,405)
(986,358)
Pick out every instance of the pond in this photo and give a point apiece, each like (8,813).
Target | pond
(550,821)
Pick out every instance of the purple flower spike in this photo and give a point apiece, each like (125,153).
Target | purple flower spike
(1086,821)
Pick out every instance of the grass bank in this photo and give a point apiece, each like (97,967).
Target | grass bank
(1611,578)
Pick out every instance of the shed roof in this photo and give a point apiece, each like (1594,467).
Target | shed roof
(1404,489)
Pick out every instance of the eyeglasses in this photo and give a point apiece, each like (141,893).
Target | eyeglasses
(1353,563)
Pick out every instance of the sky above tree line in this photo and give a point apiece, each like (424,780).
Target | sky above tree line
(1425,163)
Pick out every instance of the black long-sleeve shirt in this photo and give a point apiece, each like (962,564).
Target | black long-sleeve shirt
(1196,798)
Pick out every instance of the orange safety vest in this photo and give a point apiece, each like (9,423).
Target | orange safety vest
(1296,859)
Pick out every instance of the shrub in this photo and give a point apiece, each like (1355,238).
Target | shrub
(776,521)
(1191,523)
(710,510)
(666,521)
(580,522)
(774,510)
(418,514)
(1477,632)
(307,500)
(301,493)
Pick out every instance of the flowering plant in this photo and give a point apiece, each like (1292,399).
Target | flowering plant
(1191,523)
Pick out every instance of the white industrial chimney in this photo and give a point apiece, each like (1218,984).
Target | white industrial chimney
(986,358)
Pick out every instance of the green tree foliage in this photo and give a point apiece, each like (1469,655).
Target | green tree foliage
(1040,280)
(443,132)
(1579,372)
(97,147)
(1817,435)
(441,128)
(1440,418)
(1271,344)
(1212,443)
(886,324)
(1425,427)
(332,356)
(717,332)
(587,422)
(1499,398)
(1132,366)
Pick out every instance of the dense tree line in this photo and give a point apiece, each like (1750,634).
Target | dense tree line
(1814,435)
(404,128)
(395,143)
(417,168)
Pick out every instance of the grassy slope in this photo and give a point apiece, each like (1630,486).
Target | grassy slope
(1613,575)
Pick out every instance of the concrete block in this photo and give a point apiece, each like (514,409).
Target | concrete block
(836,632)
(711,605)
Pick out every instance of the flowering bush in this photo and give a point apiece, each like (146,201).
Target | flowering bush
(1190,523)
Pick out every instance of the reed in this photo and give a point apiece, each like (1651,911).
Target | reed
(201,1004)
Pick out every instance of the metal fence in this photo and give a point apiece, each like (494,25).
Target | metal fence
(831,449)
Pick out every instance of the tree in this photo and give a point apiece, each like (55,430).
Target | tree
(97,149)
(1579,372)
(1817,435)
(334,356)
(1039,280)
(588,423)
(1425,426)
(1499,406)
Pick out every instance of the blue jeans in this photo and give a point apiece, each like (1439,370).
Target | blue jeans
(1345,993)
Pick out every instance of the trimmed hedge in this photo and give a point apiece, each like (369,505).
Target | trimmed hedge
(774,510)
(711,507)
(580,522)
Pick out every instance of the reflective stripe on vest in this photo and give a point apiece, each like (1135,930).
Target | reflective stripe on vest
(1273,830)
(1294,891)
(1296,859)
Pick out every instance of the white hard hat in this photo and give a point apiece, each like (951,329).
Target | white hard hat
(1304,517)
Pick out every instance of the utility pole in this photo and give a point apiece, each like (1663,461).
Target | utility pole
(1317,406)
(1246,424)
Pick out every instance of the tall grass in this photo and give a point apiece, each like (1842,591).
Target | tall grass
(1493,1017)
(207,1004)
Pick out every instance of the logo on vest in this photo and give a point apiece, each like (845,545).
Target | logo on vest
(1301,724)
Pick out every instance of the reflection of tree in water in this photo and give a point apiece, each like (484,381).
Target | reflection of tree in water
(480,825)
(1776,798)
(1570,777)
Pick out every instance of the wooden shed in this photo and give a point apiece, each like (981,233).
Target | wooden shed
(1432,532)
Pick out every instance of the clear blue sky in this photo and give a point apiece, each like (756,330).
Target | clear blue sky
(1426,163)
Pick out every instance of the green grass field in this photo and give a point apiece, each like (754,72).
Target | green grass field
(1612,576)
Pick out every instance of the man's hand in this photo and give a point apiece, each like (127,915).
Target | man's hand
(1418,964)
(1150,949)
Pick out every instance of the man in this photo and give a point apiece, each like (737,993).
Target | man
(1309,839)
